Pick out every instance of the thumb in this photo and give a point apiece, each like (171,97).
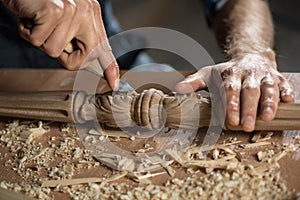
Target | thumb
(191,83)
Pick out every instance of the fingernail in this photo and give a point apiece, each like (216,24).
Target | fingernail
(234,119)
(117,80)
(116,85)
(248,124)
(267,113)
(288,97)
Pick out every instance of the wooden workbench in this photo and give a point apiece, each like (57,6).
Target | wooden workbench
(39,80)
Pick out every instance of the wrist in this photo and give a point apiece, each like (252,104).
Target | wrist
(267,53)
(265,58)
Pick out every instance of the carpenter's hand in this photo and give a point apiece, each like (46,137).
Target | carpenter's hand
(249,80)
(55,23)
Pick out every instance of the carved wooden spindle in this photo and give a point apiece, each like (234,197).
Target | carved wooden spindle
(150,109)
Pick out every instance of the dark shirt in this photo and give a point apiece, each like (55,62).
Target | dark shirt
(15,52)
(212,7)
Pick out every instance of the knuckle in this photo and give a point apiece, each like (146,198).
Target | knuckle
(250,85)
(285,85)
(96,6)
(71,63)
(268,103)
(287,91)
(232,107)
(53,50)
(55,53)
(194,76)
(282,78)
(114,65)
(36,41)
(268,82)
(71,66)
(250,71)
(55,9)
(95,3)
(230,71)
(233,85)
(70,8)
(233,103)
(87,6)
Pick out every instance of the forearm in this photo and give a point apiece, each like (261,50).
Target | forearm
(244,26)
(251,83)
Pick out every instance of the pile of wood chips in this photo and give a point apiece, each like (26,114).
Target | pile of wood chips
(48,165)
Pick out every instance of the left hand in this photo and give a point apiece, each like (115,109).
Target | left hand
(53,24)
(249,80)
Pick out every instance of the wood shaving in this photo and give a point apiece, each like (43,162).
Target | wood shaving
(227,176)
(254,145)
(32,133)
(168,168)
(213,164)
(262,136)
(55,183)
(265,155)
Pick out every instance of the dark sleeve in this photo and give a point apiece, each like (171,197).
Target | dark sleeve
(124,43)
(212,7)
(111,24)
(15,52)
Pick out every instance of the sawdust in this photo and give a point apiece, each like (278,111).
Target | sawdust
(227,175)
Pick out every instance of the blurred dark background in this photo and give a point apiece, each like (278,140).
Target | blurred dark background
(187,16)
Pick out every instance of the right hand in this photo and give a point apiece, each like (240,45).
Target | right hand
(252,85)
(55,23)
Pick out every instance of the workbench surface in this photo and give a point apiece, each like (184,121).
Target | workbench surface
(40,80)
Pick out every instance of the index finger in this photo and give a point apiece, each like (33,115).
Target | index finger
(106,57)
(103,53)
(92,43)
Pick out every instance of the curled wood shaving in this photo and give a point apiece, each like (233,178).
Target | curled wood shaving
(32,133)
(265,155)
(262,136)
(216,154)
(235,179)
